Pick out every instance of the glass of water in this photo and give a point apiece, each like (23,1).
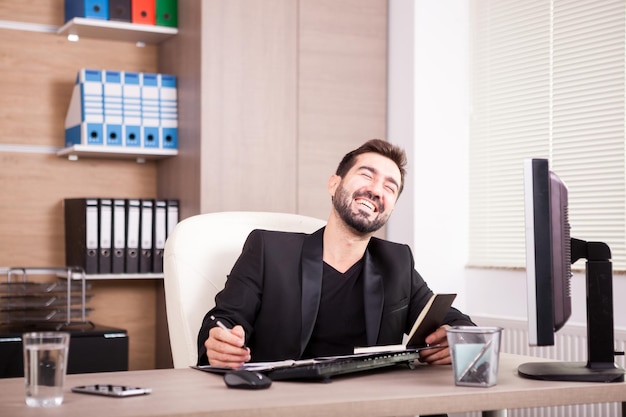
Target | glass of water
(45,364)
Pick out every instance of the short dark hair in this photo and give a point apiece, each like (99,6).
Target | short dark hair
(381,147)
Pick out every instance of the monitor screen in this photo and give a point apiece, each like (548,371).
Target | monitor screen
(550,252)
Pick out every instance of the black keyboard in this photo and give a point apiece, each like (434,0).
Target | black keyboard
(327,369)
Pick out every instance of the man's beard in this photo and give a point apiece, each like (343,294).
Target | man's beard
(358,221)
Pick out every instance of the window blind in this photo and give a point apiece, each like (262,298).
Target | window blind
(547,81)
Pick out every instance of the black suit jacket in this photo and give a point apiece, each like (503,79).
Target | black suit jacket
(274,289)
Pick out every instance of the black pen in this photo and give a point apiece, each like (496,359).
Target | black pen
(223,326)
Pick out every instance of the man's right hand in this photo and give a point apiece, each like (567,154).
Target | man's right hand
(224,347)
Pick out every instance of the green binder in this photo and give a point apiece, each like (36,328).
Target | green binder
(167,13)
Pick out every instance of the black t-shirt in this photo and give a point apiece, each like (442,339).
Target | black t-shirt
(340,323)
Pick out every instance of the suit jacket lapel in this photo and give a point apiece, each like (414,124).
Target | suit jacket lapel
(373,298)
(312,268)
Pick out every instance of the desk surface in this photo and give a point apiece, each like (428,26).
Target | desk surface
(397,392)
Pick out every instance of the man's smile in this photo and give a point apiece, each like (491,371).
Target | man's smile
(366,203)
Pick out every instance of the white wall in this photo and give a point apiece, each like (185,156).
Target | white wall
(400,117)
(434,219)
(437,209)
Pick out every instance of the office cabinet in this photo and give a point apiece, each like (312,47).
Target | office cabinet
(92,349)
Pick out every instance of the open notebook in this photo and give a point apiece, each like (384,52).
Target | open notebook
(429,319)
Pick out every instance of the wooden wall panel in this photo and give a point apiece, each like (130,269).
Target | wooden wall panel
(43,12)
(33,188)
(240,119)
(130,305)
(286,88)
(38,73)
(342,94)
(249,102)
(181,177)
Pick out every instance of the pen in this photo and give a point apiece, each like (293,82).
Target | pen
(223,326)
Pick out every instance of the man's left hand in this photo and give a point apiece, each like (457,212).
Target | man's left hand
(439,355)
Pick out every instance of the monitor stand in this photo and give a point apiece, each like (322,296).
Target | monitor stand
(600,365)
(569,371)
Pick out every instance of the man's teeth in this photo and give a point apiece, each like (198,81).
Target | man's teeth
(367,204)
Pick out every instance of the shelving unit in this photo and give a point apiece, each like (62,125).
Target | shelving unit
(94,151)
(117,31)
(35,147)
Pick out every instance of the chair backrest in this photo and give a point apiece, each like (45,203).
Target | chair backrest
(199,254)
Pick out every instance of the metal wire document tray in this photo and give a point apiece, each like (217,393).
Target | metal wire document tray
(60,303)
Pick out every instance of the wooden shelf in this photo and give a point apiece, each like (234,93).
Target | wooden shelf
(115,152)
(101,277)
(117,31)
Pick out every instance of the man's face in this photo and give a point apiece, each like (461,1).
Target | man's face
(366,196)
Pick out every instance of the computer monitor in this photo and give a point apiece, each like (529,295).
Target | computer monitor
(550,252)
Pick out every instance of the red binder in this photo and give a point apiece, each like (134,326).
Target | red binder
(143,12)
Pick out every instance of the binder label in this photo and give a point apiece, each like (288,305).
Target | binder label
(92,225)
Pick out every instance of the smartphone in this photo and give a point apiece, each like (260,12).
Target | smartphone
(111,390)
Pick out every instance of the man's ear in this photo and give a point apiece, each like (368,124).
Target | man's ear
(333,183)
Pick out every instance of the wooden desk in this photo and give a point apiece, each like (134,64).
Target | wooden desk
(398,392)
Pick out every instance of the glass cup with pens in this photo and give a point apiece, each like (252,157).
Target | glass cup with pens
(475,353)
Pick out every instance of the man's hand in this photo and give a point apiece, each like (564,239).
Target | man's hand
(440,355)
(224,347)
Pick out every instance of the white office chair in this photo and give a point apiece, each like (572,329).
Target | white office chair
(199,254)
